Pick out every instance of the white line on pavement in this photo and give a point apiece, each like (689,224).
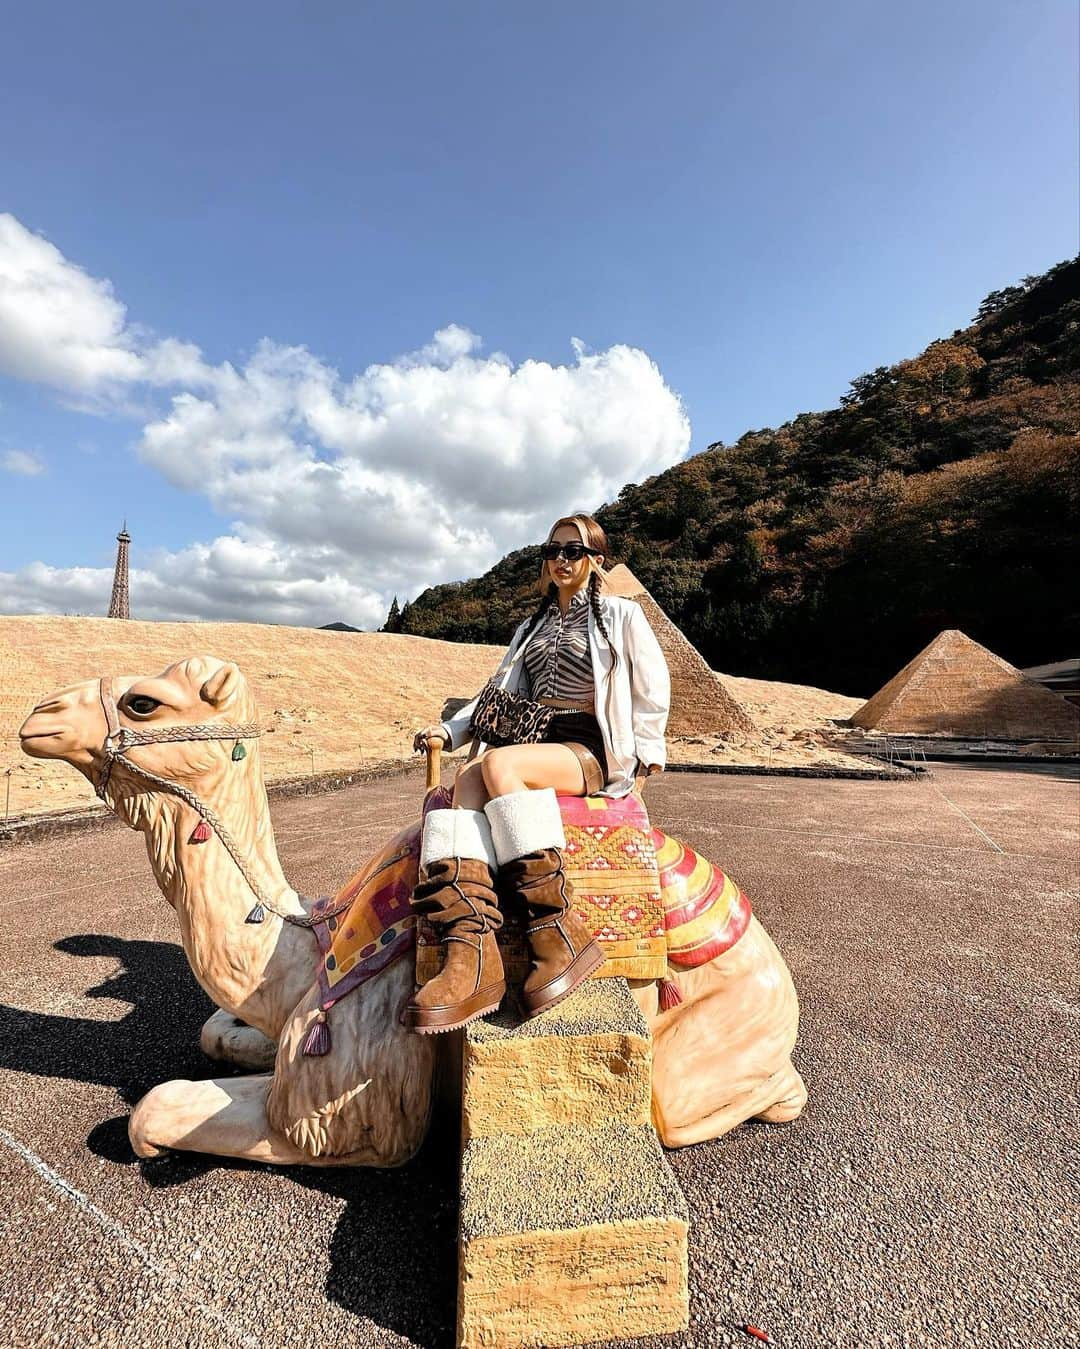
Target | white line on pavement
(964,816)
(110,1225)
(102,883)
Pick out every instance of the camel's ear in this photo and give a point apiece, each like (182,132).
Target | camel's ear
(222,686)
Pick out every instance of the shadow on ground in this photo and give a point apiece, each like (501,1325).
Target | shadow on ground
(393,1255)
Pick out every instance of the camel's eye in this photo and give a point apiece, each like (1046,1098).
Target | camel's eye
(141,704)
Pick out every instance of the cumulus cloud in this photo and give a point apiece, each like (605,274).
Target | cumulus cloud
(58,325)
(22,462)
(420,458)
(40,589)
(63,327)
(342,490)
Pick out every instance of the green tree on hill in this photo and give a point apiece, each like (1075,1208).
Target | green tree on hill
(393,618)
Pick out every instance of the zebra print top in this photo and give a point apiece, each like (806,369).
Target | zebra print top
(557,659)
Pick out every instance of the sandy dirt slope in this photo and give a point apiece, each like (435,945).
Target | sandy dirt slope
(330,701)
(787,708)
(793,724)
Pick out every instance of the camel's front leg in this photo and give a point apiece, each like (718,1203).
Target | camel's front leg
(224,1116)
(227,1039)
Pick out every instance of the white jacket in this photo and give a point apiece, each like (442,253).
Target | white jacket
(632,700)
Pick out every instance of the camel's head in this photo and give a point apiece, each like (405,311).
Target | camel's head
(71,723)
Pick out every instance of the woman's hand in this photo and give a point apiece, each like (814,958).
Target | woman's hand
(420,739)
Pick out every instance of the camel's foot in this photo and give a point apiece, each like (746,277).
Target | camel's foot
(777,1098)
(227,1039)
(225,1117)
(142,1147)
(790,1105)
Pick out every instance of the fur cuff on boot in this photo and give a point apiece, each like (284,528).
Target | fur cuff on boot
(456,833)
(525,822)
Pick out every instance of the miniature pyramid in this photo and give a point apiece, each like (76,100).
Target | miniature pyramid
(699,702)
(955,687)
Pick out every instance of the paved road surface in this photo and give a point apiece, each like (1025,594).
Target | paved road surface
(923,1198)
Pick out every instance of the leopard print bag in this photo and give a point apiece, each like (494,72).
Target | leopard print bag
(502,718)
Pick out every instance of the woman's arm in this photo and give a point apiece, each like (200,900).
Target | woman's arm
(457,726)
(650,690)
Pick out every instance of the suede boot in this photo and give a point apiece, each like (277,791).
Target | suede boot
(563,950)
(527,831)
(457,894)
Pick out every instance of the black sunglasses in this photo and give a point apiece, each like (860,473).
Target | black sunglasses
(573,552)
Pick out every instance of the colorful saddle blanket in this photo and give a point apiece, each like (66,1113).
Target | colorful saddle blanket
(378,925)
(705,912)
(610,861)
(648,898)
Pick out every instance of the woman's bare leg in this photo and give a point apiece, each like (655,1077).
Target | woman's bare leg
(520,768)
(470,790)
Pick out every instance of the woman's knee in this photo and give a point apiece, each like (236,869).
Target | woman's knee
(469,772)
(502,771)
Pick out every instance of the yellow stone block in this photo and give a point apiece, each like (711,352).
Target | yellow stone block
(570,1235)
(587,1061)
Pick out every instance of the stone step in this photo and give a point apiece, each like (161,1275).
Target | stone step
(587,1061)
(570,1235)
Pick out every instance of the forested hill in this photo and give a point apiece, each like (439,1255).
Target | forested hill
(943,492)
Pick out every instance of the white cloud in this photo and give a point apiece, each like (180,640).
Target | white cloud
(231,579)
(63,327)
(40,589)
(58,325)
(22,462)
(341,490)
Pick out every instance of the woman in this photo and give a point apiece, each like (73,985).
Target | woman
(595,660)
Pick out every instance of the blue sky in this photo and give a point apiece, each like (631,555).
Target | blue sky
(738,207)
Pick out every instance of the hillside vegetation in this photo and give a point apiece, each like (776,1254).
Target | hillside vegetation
(943,492)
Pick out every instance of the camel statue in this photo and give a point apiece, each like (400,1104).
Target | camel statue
(176,756)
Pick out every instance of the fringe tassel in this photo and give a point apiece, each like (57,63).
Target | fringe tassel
(317,1040)
(669,995)
(257,914)
(200,833)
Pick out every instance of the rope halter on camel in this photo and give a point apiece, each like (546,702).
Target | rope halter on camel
(119,739)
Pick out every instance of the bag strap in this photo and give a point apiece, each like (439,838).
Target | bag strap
(518,653)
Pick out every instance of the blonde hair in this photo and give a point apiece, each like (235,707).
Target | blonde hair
(592,535)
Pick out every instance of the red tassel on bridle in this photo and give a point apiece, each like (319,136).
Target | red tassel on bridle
(669,995)
(317,1040)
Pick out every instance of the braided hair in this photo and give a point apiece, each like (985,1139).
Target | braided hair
(598,615)
(594,604)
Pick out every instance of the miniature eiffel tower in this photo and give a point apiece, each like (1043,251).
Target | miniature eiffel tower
(118,605)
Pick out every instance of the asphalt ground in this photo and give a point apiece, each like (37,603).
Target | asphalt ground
(926,1195)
